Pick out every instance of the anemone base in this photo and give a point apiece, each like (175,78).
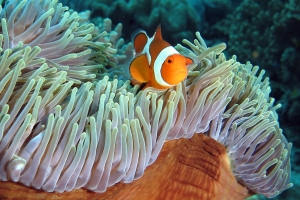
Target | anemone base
(196,168)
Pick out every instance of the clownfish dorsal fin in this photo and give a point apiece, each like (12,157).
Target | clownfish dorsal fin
(158,33)
(140,39)
(139,69)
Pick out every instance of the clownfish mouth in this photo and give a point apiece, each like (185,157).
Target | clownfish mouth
(177,76)
(181,73)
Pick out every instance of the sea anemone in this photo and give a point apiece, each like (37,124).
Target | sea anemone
(64,42)
(59,136)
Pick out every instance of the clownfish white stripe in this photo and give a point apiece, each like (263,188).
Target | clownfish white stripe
(147,50)
(162,56)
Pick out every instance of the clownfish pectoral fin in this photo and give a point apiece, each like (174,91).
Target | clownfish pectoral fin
(158,33)
(140,39)
(139,69)
(188,61)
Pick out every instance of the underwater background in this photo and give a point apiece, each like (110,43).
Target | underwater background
(266,33)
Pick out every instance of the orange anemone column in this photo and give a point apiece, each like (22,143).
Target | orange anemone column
(196,168)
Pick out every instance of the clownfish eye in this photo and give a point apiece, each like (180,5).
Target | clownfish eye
(169,60)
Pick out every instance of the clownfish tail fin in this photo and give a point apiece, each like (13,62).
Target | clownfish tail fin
(139,38)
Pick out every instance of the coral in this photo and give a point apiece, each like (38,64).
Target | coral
(267,33)
(57,136)
(147,15)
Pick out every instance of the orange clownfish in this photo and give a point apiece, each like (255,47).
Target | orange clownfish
(157,63)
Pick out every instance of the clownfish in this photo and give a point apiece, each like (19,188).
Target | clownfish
(157,63)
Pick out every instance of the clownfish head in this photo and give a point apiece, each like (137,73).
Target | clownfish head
(174,69)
